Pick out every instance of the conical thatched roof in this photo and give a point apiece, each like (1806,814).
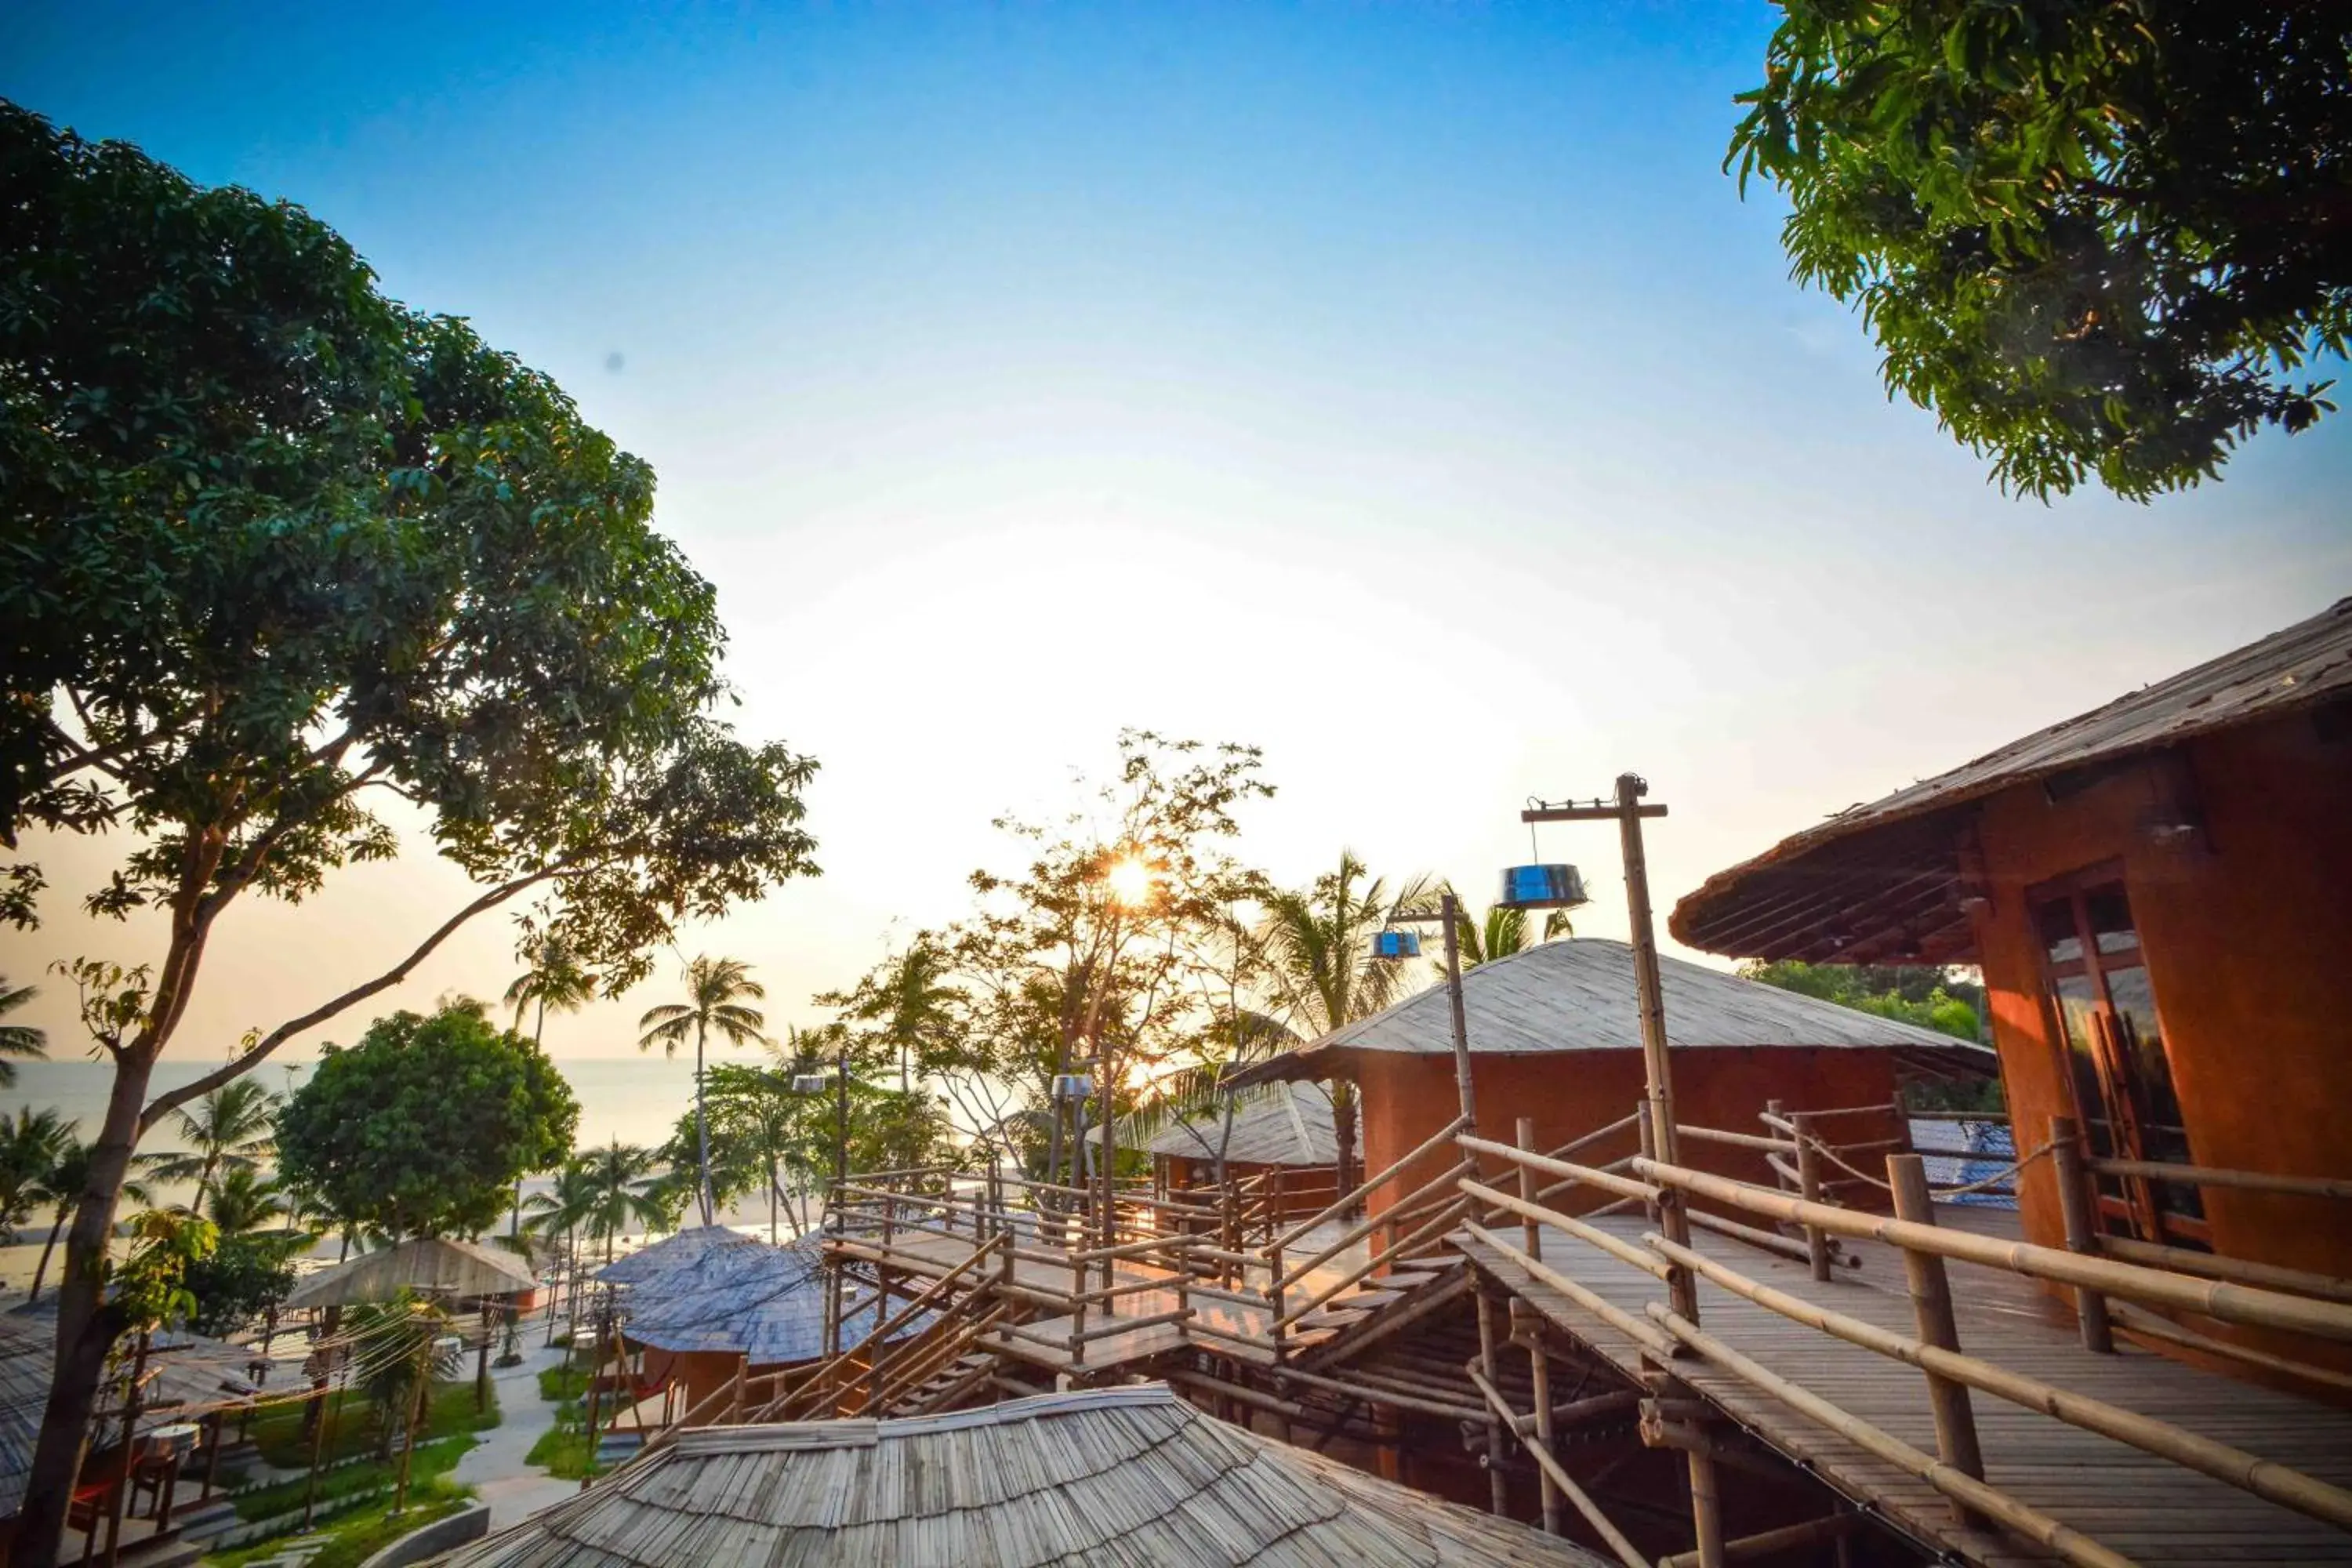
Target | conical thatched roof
(1127,1476)
(762,1302)
(1578,995)
(671,1252)
(421,1263)
(1278,1124)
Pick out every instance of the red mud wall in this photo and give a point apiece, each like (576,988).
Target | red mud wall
(1568,1093)
(2248,935)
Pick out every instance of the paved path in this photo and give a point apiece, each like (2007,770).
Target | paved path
(495,1467)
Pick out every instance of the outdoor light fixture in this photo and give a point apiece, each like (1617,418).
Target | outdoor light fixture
(810,1082)
(1396,944)
(1547,887)
(1073,1086)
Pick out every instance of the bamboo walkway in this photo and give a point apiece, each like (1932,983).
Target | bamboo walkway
(929,1256)
(2153,1511)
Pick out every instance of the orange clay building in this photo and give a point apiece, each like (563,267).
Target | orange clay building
(2160,893)
(1555,1036)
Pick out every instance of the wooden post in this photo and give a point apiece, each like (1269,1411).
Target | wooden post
(1274,1298)
(1772,1108)
(212,1461)
(595,1374)
(1530,1232)
(415,1422)
(1808,1187)
(1902,1133)
(482,1361)
(1451,912)
(1540,1375)
(1658,1071)
(2081,1234)
(1078,1305)
(1497,1495)
(1706,1510)
(1649,1152)
(1931,1306)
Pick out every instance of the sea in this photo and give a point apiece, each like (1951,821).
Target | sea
(632,1100)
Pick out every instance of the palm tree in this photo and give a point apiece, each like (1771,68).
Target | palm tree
(30,1143)
(17,1039)
(624,1184)
(715,989)
(407,1340)
(910,997)
(244,1200)
(1502,933)
(233,1127)
(553,981)
(564,1208)
(1315,943)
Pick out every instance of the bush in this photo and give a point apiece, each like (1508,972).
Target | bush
(433,1460)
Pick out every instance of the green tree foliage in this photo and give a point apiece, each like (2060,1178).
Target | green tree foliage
(555,982)
(270,543)
(1927,998)
(247,1278)
(422,1127)
(1502,932)
(625,1189)
(404,1343)
(912,1006)
(32,1143)
(18,1040)
(2097,237)
(717,990)
(1317,942)
(232,1129)
(62,1189)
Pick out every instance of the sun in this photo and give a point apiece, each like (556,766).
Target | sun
(1130,880)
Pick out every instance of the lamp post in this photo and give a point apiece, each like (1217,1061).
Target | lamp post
(814,1083)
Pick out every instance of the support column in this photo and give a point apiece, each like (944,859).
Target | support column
(1809,1187)
(2076,1209)
(1490,1368)
(1931,1305)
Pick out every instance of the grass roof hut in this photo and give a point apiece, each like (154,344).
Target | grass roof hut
(1282,1126)
(695,1307)
(1555,1034)
(428,1265)
(1127,1476)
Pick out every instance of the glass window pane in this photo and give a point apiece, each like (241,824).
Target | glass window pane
(2077,999)
(2141,1040)
(2054,921)
(2111,920)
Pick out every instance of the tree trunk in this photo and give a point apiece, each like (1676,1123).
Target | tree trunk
(1343,1134)
(47,1246)
(701,1131)
(85,1334)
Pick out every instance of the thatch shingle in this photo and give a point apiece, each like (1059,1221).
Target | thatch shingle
(1126,1476)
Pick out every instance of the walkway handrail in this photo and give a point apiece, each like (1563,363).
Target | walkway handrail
(1364,1188)
(2264,1477)
(2215,1176)
(2247,1305)
(1624,1186)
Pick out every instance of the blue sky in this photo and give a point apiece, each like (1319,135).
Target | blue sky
(1404,388)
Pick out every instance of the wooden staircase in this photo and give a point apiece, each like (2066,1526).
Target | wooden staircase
(1377,1307)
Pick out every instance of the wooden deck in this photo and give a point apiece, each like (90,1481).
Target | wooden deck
(929,1256)
(2148,1509)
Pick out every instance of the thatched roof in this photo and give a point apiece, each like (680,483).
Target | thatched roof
(1578,995)
(762,1302)
(1883,882)
(1127,1476)
(185,1373)
(1276,1124)
(670,1252)
(420,1263)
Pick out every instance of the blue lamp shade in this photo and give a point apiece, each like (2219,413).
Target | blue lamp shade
(1541,888)
(1396,944)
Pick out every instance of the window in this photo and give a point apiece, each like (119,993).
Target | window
(2103,1010)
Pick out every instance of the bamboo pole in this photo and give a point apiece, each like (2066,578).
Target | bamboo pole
(1706,1508)
(2074,1210)
(1616,1317)
(1764,1544)
(2215,1176)
(1444,1134)
(1451,912)
(2148,1325)
(2264,1477)
(1931,1309)
(1531,1231)
(2035,1526)
(1624,1186)
(1539,1381)
(1602,1525)
(2228,1303)
(1490,1371)
(1536,1216)
(1808,1187)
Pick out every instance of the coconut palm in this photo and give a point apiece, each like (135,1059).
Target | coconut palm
(30,1142)
(17,1039)
(1500,934)
(62,1189)
(405,1338)
(1316,944)
(244,1200)
(555,982)
(624,1187)
(907,995)
(233,1127)
(716,990)
(562,1209)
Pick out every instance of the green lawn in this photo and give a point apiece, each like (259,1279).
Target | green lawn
(568,1379)
(360,1533)
(434,1459)
(351,1427)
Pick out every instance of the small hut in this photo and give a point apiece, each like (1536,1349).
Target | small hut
(1555,1036)
(1127,1476)
(694,1308)
(465,1270)
(1278,1127)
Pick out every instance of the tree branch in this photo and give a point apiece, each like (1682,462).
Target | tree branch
(163,1104)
